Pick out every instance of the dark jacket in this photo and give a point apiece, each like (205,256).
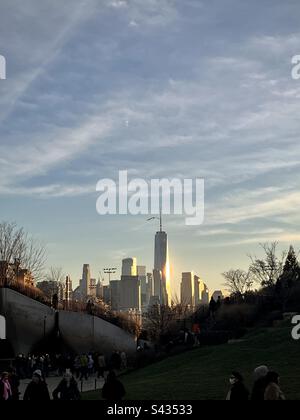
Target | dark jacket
(67,393)
(258,391)
(239,392)
(37,392)
(113,390)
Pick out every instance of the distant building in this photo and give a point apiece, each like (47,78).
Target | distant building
(99,290)
(87,286)
(69,290)
(49,288)
(129,267)
(106,294)
(115,294)
(150,285)
(85,281)
(162,267)
(201,292)
(13,273)
(142,275)
(219,294)
(188,289)
(130,293)
(154,301)
(157,279)
(205,297)
(197,290)
(93,288)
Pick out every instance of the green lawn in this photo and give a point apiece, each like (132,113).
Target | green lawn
(202,374)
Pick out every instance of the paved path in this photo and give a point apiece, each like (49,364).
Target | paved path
(91,384)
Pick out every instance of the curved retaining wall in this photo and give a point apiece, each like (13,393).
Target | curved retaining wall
(84,333)
(28,322)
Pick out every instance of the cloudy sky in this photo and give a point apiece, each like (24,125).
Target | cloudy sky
(161,88)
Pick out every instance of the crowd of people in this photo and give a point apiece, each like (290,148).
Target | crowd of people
(82,366)
(38,368)
(72,369)
(266,386)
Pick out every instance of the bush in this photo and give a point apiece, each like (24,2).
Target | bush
(236,318)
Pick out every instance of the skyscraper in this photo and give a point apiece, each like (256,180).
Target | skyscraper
(85,281)
(130,286)
(188,289)
(69,289)
(161,267)
(115,288)
(141,272)
(129,267)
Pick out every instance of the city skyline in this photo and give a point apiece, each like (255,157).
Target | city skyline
(187,91)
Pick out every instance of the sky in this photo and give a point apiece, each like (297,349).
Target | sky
(163,89)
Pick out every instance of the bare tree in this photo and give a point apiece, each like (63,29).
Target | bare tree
(267,270)
(17,245)
(157,320)
(161,319)
(55,275)
(238,281)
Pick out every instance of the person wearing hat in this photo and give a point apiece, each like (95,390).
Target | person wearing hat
(238,391)
(67,390)
(37,390)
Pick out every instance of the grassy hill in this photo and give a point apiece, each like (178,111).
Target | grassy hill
(202,374)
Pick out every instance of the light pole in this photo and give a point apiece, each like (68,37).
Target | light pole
(110,271)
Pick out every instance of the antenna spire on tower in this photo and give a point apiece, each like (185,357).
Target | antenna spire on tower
(160,219)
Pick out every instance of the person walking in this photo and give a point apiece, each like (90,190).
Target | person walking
(14,384)
(273,391)
(67,390)
(260,383)
(123,361)
(84,362)
(5,387)
(212,308)
(238,391)
(101,362)
(37,390)
(90,364)
(113,389)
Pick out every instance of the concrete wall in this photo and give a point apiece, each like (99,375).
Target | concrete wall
(25,327)
(27,321)
(84,333)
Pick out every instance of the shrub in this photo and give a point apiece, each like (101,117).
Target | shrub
(236,318)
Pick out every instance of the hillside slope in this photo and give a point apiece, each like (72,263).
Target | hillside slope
(202,374)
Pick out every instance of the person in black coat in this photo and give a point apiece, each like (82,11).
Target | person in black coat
(113,389)
(37,390)
(67,390)
(238,391)
(260,383)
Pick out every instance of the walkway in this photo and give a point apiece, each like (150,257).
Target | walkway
(92,384)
